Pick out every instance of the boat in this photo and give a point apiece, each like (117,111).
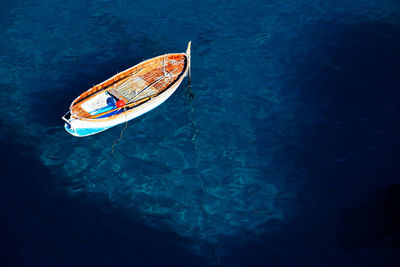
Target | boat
(127,95)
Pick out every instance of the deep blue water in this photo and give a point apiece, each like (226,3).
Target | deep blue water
(288,154)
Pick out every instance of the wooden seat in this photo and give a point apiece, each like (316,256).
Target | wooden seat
(117,95)
(133,89)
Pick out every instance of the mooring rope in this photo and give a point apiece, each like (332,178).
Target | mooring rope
(188,90)
(194,142)
(120,136)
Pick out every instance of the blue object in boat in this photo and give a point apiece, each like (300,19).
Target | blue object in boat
(111,104)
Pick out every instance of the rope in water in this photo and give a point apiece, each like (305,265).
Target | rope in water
(217,259)
(194,142)
(120,136)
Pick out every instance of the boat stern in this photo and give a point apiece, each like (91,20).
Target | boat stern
(78,128)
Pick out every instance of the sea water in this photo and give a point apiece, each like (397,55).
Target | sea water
(278,154)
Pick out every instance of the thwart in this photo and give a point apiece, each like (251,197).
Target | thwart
(127,95)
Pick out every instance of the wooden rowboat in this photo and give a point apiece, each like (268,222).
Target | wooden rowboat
(127,95)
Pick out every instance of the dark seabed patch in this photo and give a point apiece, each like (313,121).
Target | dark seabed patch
(352,106)
(42,225)
(373,223)
(350,113)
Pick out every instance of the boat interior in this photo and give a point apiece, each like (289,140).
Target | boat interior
(130,88)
